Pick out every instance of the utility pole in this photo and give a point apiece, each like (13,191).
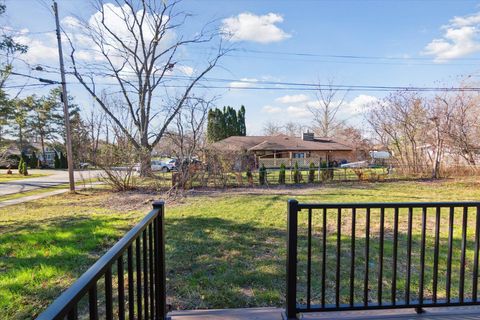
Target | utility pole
(68,138)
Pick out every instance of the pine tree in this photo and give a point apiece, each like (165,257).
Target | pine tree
(56,160)
(63,161)
(242,130)
(224,123)
(262,175)
(33,163)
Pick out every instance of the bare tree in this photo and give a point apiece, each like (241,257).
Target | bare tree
(138,44)
(188,137)
(324,111)
(96,125)
(271,128)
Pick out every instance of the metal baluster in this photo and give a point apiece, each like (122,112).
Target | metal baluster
(324,254)
(139,278)
(450,251)
(337,272)
(475,262)
(73,313)
(352,258)
(121,288)
(395,253)
(367,257)
(462,259)
(309,258)
(145,273)
(422,255)
(108,294)
(409,256)
(131,297)
(150,260)
(92,302)
(380,258)
(435,254)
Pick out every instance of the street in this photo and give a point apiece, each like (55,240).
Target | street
(54,178)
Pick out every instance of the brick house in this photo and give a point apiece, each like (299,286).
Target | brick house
(272,151)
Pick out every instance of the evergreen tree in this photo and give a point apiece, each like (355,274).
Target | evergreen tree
(242,129)
(24,168)
(56,160)
(224,123)
(63,161)
(281,174)
(262,175)
(20,165)
(33,163)
(311,173)
(297,175)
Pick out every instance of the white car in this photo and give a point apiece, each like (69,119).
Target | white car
(157,165)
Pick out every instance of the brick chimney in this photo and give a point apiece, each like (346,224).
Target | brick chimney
(308,136)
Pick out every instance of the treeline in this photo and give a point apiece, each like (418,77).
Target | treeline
(225,123)
(429,133)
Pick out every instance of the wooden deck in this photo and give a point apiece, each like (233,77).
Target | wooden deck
(457,313)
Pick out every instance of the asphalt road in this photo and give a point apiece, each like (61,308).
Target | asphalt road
(54,178)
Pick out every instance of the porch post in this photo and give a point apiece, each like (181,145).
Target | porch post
(275,158)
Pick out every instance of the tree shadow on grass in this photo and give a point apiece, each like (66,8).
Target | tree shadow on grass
(220,263)
(39,260)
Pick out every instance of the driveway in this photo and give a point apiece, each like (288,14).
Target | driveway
(54,178)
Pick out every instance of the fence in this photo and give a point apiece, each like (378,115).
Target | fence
(139,283)
(381,255)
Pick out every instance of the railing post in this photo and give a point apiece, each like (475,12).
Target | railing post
(160,276)
(291,290)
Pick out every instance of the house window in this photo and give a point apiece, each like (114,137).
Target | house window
(298,155)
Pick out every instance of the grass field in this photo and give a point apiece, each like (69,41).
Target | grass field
(224,249)
(16,176)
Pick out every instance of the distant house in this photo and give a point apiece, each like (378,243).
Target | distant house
(49,160)
(272,151)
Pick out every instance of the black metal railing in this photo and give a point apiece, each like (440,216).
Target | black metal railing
(128,282)
(381,255)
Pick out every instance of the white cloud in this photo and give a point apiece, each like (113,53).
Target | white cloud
(292,99)
(250,27)
(298,112)
(243,83)
(461,37)
(38,50)
(359,104)
(185,70)
(271,109)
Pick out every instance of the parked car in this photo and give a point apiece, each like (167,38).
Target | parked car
(157,165)
(163,166)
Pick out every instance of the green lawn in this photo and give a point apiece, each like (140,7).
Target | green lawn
(224,249)
(16,176)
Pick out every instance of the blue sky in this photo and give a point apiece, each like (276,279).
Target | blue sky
(395,43)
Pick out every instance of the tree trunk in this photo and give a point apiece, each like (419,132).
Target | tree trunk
(145,162)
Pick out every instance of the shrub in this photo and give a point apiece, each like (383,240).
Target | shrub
(262,172)
(326,171)
(20,165)
(281,174)
(249,176)
(297,175)
(24,168)
(311,173)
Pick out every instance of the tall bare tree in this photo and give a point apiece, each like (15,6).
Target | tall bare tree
(139,43)
(324,111)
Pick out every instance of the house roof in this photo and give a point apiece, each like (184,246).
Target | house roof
(279,143)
